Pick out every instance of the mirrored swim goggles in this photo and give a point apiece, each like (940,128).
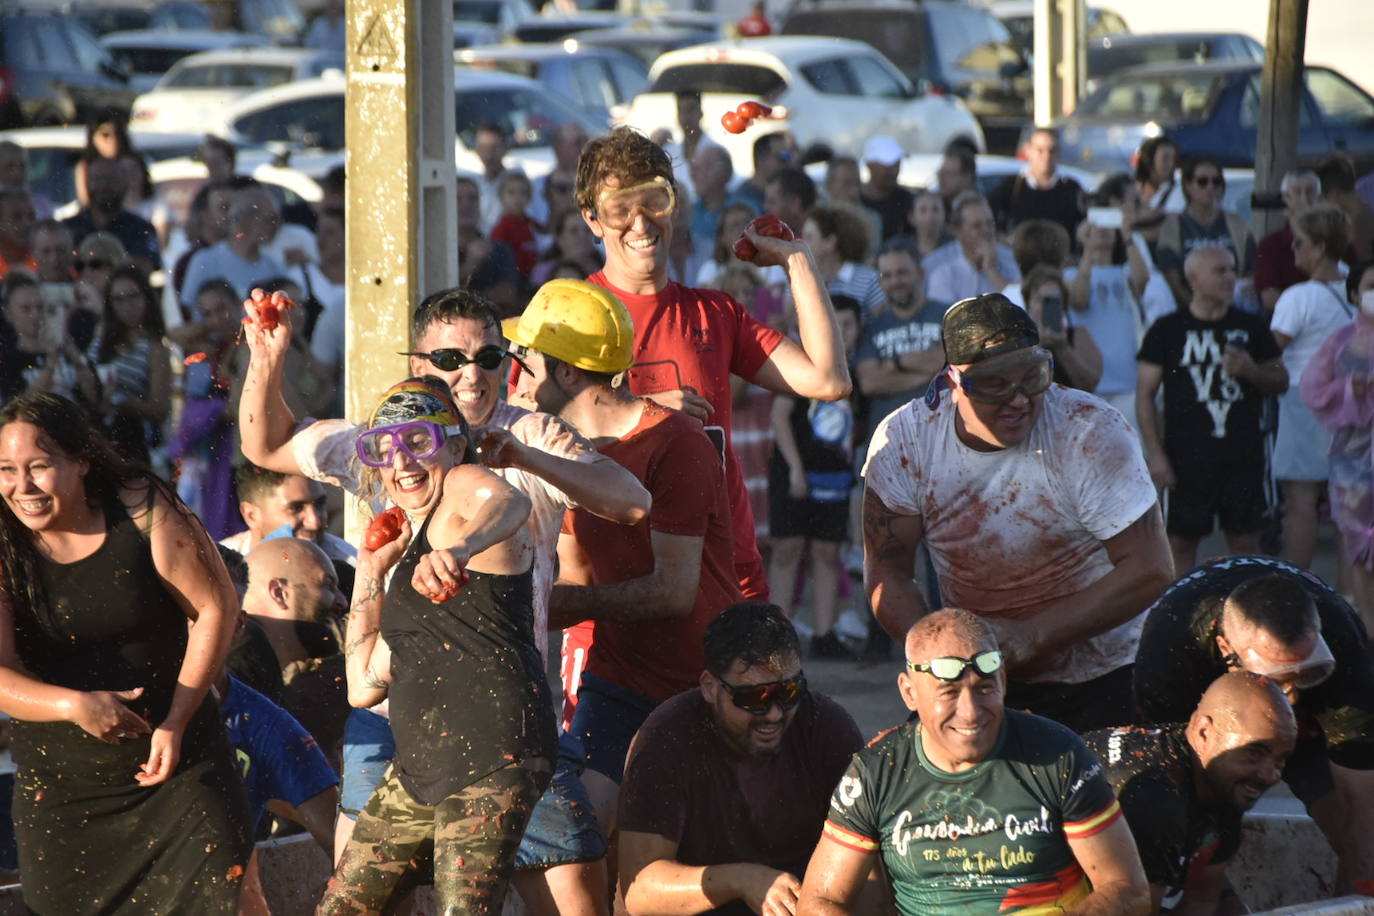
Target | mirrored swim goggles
(420,439)
(757,699)
(616,209)
(451,359)
(987,382)
(1311,671)
(952,668)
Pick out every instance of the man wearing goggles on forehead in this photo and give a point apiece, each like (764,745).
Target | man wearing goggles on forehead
(689,342)
(972,807)
(1037,510)
(733,775)
(1263,615)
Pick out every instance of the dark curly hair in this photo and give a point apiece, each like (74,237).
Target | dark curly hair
(750,632)
(66,428)
(624,154)
(448,304)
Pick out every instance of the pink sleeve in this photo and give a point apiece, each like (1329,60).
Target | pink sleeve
(1327,387)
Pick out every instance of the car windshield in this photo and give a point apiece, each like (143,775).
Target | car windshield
(741,79)
(971,39)
(900,37)
(105,19)
(148,60)
(488,11)
(1168,97)
(529,118)
(1105,58)
(232,76)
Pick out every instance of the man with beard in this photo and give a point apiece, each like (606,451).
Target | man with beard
(106,185)
(1184,787)
(726,786)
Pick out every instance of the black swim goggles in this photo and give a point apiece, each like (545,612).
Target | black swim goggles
(451,359)
(757,699)
(952,668)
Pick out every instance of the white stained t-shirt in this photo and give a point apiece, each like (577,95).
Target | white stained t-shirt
(326,451)
(1308,314)
(1013,529)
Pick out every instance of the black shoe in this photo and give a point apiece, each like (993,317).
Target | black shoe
(829,646)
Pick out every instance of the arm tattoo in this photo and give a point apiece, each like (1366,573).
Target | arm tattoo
(878,522)
(371,679)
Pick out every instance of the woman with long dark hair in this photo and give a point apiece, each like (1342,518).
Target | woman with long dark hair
(133,364)
(126,799)
(452,647)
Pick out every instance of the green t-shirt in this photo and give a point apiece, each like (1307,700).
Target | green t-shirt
(993,839)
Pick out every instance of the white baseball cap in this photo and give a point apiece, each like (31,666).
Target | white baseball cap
(883,150)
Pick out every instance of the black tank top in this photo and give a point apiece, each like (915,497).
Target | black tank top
(468,692)
(108,624)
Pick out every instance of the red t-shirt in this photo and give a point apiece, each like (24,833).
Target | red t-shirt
(668,453)
(518,233)
(696,339)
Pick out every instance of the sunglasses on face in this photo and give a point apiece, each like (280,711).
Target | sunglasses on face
(655,199)
(451,359)
(1204,181)
(90,264)
(757,699)
(420,439)
(997,389)
(952,668)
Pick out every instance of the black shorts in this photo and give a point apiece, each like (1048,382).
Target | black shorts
(1232,492)
(802,518)
(1102,702)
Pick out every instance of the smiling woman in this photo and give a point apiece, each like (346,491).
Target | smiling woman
(458,611)
(124,768)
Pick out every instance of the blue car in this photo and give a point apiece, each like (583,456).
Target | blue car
(1212,109)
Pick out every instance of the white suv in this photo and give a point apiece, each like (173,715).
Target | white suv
(834,91)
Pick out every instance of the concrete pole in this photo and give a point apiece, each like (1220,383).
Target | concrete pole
(1073,74)
(402,225)
(1276,147)
(1048,47)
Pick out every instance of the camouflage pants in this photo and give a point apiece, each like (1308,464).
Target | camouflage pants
(469,838)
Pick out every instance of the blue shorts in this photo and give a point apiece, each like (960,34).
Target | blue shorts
(562,829)
(367,751)
(603,725)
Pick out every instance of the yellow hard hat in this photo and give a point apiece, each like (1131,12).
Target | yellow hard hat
(578,322)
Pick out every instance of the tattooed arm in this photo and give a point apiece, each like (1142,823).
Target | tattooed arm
(890,542)
(366,655)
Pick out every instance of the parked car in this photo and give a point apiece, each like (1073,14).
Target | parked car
(309,115)
(1212,109)
(943,46)
(1108,54)
(601,80)
(176,182)
(1019,18)
(277,20)
(54,71)
(832,90)
(146,55)
(53,152)
(198,87)
(501,15)
(646,41)
(559,26)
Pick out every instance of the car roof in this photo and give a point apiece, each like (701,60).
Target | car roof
(263,55)
(786,49)
(531,51)
(1126,39)
(1213,67)
(203,39)
(465,78)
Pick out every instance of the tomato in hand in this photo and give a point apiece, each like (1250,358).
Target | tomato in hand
(752,110)
(384,528)
(450,591)
(768,225)
(269,317)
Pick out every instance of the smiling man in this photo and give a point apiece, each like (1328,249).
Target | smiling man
(1268,617)
(1036,507)
(974,808)
(688,342)
(726,785)
(1184,787)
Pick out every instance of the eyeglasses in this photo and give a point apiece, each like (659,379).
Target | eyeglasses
(997,389)
(1311,671)
(450,359)
(1204,181)
(952,668)
(420,439)
(757,699)
(90,264)
(655,199)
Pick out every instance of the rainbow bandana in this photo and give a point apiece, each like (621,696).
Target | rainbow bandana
(416,399)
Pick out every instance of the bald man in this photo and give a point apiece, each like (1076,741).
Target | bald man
(293,595)
(1184,787)
(1217,365)
(973,808)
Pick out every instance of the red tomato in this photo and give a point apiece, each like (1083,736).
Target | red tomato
(195,358)
(732,122)
(770,225)
(752,110)
(384,528)
(744,249)
(451,590)
(269,316)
